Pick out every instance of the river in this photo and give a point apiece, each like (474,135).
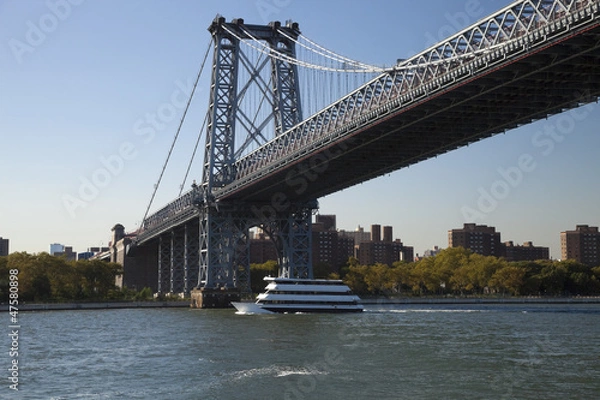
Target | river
(492,351)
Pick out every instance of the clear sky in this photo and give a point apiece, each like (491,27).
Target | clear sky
(78,80)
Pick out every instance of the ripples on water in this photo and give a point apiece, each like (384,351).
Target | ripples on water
(387,352)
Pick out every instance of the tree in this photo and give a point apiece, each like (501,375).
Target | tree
(34,284)
(43,277)
(378,279)
(425,277)
(509,278)
(355,279)
(552,278)
(97,277)
(4,278)
(259,271)
(404,276)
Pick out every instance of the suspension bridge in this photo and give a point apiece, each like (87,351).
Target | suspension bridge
(290,121)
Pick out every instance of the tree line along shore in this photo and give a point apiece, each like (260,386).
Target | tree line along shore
(457,272)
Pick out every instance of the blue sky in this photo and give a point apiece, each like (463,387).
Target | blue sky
(79,79)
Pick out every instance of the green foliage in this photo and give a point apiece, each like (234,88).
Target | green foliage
(259,271)
(457,271)
(144,294)
(43,278)
(509,278)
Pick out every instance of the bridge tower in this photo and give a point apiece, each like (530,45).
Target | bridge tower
(225,224)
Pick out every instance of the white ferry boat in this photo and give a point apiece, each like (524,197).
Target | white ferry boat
(286,295)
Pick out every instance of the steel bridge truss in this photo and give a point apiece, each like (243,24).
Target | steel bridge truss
(224,227)
(225,234)
(178,259)
(512,32)
(522,29)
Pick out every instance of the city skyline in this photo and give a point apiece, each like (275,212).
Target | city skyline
(360,228)
(83,80)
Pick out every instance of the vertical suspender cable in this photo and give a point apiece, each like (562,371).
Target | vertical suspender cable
(187,171)
(187,106)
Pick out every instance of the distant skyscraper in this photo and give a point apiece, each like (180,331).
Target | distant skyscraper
(581,245)
(432,252)
(3,247)
(386,252)
(480,239)
(376,233)
(56,248)
(387,234)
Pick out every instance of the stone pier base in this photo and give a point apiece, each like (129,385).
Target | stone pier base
(214,298)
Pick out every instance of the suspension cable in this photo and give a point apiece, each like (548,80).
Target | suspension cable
(187,171)
(187,106)
(273,53)
(330,54)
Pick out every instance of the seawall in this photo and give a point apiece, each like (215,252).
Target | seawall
(508,300)
(99,305)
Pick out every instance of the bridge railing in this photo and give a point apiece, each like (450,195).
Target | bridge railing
(517,28)
(178,210)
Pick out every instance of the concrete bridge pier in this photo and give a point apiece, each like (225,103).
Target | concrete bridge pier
(214,298)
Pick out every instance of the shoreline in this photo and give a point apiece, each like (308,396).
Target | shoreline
(98,305)
(508,300)
(365,301)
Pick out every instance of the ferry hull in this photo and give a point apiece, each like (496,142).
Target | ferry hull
(285,295)
(253,308)
(294,310)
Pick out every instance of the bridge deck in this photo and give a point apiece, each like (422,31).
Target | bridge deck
(490,100)
(464,90)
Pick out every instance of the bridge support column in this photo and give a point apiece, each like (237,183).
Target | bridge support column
(224,256)
(292,233)
(191,256)
(177,263)
(225,247)
(164,263)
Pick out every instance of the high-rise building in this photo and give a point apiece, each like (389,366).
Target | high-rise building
(358,235)
(387,234)
(581,245)
(67,253)
(3,247)
(56,248)
(526,252)
(386,252)
(481,239)
(328,246)
(328,221)
(376,233)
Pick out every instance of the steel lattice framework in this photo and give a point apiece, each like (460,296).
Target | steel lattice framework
(224,227)
(532,59)
(517,30)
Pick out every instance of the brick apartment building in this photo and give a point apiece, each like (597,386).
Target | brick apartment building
(525,252)
(581,245)
(386,251)
(481,239)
